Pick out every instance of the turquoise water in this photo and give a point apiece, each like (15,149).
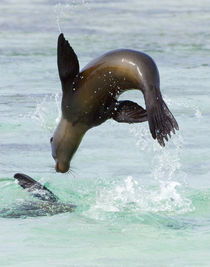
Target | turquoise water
(137,203)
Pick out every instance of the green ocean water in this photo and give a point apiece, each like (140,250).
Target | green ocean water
(137,203)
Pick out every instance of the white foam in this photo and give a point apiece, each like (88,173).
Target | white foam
(129,195)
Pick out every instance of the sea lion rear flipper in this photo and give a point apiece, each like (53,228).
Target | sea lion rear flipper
(68,64)
(129,112)
(35,188)
(161,121)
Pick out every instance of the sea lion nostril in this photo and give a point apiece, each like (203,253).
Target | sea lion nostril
(51,139)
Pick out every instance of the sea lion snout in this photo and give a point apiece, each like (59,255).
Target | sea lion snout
(65,142)
(60,167)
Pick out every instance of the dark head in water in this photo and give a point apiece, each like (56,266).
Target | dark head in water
(90,97)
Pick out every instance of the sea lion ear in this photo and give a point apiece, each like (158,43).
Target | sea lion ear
(68,64)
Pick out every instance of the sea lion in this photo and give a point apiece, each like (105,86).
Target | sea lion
(35,188)
(90,97)
(49,204)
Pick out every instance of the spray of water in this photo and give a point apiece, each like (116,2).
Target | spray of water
(129,198)
(62,10)
(58,9)
(45,112)
(166,196)
(189,105)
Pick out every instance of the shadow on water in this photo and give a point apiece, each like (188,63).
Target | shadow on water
(35,209)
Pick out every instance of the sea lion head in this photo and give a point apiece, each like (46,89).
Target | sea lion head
(65,142)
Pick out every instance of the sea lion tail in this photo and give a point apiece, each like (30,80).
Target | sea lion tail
(161,121)
(35,188)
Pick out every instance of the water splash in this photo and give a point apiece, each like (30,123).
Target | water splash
(167,195)
(57,101)
(129,197)
(45,112)
(198,113)
(62,10)
(188,104)
(165,161)
(58,9)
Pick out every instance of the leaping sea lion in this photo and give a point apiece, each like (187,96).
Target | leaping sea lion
(90,97)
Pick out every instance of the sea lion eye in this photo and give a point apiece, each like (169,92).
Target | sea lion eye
(51,139)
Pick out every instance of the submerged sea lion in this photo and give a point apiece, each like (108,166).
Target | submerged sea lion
(35,188)
(90,97)
(49,204)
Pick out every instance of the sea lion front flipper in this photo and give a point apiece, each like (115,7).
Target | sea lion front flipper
(68,64)
(129,112)
(35,188)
